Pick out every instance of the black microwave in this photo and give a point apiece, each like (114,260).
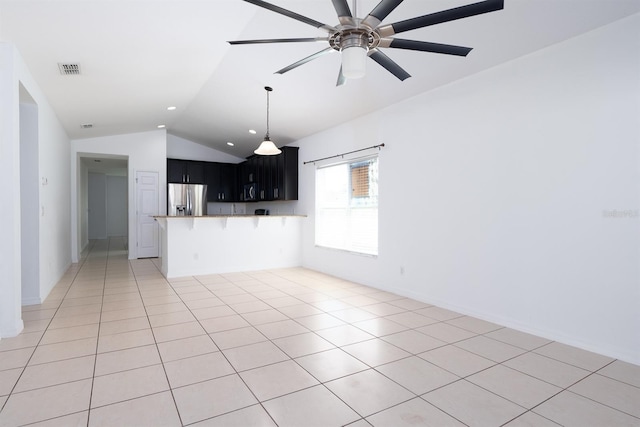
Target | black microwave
(250,192)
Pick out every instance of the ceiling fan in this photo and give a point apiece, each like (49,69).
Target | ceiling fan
(358,38)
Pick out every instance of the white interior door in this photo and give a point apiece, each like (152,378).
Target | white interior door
(147,205)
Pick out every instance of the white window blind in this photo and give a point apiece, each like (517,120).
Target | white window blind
(347,206)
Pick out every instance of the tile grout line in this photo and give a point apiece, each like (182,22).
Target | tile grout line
(155,341)
(95,360)
(237,373)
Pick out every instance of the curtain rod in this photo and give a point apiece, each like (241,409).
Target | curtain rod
(344,154)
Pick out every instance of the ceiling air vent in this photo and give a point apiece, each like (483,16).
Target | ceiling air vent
(86,126)
(69,69)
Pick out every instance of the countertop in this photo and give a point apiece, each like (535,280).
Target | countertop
(234,216)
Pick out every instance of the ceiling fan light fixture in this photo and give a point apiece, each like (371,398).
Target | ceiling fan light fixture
(267,147)
(354,62)
(354,47)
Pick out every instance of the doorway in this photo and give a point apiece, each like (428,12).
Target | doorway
(104,198)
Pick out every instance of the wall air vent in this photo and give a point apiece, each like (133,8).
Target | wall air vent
(69,69)
(86,126)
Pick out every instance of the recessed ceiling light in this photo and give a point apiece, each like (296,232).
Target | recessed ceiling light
(230,144)
(162,126)
(171,108)
(252,132)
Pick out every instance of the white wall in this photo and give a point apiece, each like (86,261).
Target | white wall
(117,206)
(54,201)
(97,199)
(29,187)
(146,151)
(496,193)
(180,148)
(10,265)
(83,206)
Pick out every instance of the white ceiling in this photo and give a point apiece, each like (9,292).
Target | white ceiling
(138,57)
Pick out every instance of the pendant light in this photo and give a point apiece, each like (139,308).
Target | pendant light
(267,147)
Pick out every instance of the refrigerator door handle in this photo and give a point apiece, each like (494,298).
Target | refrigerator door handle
(189,210)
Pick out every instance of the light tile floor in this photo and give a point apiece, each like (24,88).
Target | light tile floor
(115,344)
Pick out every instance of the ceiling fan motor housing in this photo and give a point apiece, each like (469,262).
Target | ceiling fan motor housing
(354,34)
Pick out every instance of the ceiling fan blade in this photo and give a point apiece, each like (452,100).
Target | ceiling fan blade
(305,60)
(441,17)
(381,11)
(447,49)
(342,8)
(291,14)
(388,63)
(297,40)
(341,78)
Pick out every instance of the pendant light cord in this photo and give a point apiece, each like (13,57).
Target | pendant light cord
(268,89)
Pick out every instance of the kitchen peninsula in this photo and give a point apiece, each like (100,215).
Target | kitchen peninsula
(213,244)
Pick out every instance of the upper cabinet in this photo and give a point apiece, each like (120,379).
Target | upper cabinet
(185,171)
(221,182)
(284,174)
(274,177)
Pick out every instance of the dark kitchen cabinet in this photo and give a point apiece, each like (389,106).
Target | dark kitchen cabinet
(185,171)
(263,177)
(221,182)
(276,176)
(228,182)
(284,175)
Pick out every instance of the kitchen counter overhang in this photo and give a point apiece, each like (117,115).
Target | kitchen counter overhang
(214,244)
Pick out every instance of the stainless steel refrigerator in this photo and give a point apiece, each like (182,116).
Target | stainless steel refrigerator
(187,200)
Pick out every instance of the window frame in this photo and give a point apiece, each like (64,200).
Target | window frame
(353,204)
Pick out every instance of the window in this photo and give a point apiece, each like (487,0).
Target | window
(347,206)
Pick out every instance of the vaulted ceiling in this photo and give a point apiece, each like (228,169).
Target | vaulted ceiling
(138,57)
